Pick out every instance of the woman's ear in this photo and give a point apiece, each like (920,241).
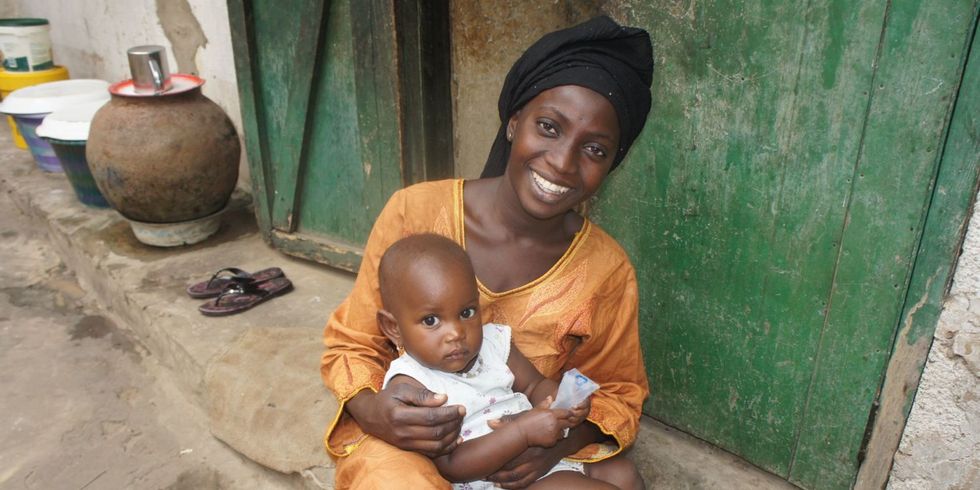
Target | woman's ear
(389,327)
(512,127)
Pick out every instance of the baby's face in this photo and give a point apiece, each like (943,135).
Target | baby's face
(438,315)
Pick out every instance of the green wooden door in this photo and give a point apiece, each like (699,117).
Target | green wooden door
(774,207)
(344,102)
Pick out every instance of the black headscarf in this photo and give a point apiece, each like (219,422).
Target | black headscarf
(612,60)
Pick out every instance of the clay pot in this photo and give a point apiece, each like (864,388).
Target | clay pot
(164,158)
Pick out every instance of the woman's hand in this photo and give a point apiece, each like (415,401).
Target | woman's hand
(409,418)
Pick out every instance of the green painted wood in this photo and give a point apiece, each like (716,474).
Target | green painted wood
(376,75)
(273,67)
(335,107)
(949,209)
(353,148)
(243,43)
(318,249)
(769,146)
(300,46)
(730,205)
(919,69)
(735,201)
(942,235)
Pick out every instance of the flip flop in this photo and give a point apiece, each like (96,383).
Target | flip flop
(229,275)
(238,297)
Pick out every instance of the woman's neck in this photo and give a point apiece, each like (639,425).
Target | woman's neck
(509,217)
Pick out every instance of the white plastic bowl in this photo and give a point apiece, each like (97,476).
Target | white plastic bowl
(52,96)
(70,123)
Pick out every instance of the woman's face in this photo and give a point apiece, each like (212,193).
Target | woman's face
(563,145)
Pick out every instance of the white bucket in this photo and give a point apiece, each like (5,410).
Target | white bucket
(26,44)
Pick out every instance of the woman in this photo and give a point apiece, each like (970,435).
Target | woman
(570,108)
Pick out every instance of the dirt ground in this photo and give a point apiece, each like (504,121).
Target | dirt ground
(83,404)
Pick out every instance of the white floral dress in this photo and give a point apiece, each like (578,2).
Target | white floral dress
(486,390)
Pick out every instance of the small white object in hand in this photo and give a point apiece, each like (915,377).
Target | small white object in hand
(574,389)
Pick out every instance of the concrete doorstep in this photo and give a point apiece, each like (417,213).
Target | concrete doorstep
(256,373)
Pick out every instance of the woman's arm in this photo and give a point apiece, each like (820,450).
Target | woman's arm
(612,358)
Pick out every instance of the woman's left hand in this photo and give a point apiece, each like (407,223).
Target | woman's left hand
(527,468)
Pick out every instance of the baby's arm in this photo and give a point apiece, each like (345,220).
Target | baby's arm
(479,457)
(527,378)
(530,381)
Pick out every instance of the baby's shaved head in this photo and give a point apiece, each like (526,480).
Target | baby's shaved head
(415,254)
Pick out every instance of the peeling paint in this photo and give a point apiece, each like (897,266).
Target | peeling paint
(902,376)
(184,32)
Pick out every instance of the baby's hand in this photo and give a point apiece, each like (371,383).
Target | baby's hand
(578,413)
(543,426)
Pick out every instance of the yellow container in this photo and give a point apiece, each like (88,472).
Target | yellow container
(12,80)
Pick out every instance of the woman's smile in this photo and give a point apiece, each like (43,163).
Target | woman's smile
(552,191)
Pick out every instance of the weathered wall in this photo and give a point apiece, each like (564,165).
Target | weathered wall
(940,448)
(90,38)
(487,38)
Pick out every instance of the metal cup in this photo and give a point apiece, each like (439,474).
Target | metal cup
(148,64)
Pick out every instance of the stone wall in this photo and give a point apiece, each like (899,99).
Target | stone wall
(940,448)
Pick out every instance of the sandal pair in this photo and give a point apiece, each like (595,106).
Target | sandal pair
(228,276)
(235,290)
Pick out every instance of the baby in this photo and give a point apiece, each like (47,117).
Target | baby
(432,316)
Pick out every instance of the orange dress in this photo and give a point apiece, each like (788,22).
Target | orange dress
(582,314)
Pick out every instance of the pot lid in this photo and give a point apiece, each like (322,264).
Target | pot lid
(51,96)
(70,123)
(179,83)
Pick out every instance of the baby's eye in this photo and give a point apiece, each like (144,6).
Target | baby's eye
(468,313)
(430,321)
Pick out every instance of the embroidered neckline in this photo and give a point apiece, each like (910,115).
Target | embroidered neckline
(474,371)
(459,219)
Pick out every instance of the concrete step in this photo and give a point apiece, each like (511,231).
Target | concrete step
(256,373)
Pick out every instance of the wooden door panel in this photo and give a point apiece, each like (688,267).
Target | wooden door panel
(919,68)
(767,315)
(733,210)
(331,96)
(352,160)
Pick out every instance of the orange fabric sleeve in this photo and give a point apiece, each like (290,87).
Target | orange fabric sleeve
(357,353)
(615,361)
